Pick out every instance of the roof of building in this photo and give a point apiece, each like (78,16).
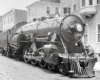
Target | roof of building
(41,2)
(52,1)
(11,11)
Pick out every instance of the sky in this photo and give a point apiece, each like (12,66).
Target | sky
(7,5)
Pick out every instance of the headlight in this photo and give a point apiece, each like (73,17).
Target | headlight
(79,27)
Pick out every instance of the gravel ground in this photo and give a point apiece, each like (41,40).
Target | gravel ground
(11,69)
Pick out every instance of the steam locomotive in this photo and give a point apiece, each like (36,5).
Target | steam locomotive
(52,43)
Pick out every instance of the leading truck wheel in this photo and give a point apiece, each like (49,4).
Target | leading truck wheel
(62,70)
(8,52)
(3,52)
(50,67)
(25,55)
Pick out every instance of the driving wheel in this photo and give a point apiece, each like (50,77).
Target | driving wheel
(25,54)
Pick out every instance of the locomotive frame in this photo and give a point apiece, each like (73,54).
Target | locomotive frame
(51,44)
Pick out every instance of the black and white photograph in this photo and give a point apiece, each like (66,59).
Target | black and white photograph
(49,39)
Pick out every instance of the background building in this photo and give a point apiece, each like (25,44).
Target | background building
(66,7)
(13,17)
(41,9)
(0,23)
(53,1)
(89,12)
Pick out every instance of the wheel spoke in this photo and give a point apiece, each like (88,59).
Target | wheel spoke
(34,62)
(50,67)
(42,64)
(26,54)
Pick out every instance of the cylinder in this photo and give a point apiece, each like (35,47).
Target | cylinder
(54,58)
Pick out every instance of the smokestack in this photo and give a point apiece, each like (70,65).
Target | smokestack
(66,10)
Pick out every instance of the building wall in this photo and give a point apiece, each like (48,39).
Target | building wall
(63,4)
(76,5)
(39,9)
(91,22)
(13,17)
(8,20)
(21,16)
(0,23)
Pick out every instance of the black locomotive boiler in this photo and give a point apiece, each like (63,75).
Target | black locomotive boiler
(53,43)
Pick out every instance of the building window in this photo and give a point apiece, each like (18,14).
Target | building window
(66,10)
(90,2)
(83,3)
(98,1)
(48,9)
(8,19)
(32,14)
(11,18)
(29,12)
(86,35)
(85,39)
(4,22)
(56,10)
(98,32)
(74,7)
